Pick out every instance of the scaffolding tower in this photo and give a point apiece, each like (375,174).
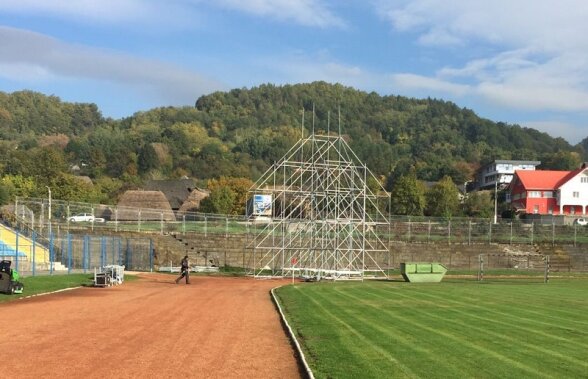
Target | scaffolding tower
(314,216)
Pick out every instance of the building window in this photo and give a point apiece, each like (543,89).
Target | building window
(576,194)
(548,194)
(584,179)
(534,194)
(535,209)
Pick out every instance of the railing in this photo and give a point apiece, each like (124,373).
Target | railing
(34,214)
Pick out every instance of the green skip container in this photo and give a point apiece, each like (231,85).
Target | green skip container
(422,272)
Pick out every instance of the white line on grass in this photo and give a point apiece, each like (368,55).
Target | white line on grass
(292,336)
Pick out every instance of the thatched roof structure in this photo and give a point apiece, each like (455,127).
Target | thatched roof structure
(104,211)
(176,191)
(144,205)
(192,203)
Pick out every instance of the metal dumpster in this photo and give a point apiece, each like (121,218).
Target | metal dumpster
(422,272)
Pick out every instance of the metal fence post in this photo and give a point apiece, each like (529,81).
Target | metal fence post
(116,219)
(532,231)
(89,252)
(490,233)
(41,216)
(449,232)
(128,255)
(511,232)
(226,227)
(205,226)
(34,238)
(151,249)
(547,267)
(139,221)
(16,248)
(102,252)
(161,223)
(69,252)
(552,233)
(184,224)
(51,253)
(85,260)
(470,232)
(119,250)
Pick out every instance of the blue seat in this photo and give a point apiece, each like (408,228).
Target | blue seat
(8,251)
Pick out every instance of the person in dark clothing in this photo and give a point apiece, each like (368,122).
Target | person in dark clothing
(185,270)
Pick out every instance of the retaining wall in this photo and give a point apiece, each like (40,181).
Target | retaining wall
(232,251)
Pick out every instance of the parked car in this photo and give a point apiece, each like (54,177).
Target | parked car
(85,217)
(582,221)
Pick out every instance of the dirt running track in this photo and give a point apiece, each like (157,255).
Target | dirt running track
(213,328)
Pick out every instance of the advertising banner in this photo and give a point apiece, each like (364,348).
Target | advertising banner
(262,205)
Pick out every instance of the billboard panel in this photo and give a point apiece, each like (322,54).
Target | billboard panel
(262,205)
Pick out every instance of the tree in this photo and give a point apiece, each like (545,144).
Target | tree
(45,163)
(479,204)
(443,199)
(71,188)
(561,160)
(4,195)
(18,185)
(408,196)
(147,159)
(220,201)
(238,186)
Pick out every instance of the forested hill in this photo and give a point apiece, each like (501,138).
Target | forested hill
(390,133)
(241,132)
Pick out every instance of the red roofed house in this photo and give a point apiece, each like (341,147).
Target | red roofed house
(550,192)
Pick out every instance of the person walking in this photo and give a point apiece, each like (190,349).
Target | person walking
(185,271)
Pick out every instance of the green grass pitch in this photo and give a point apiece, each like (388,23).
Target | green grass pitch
(441,330)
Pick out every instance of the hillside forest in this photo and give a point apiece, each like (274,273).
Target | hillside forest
(232,137)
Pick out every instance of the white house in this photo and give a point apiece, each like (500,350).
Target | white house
(572,195)
(501,172)
(550,192)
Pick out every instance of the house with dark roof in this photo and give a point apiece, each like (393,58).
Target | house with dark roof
(550,192)
(176,191)
(136,205)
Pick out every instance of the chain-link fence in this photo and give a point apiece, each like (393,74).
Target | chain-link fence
(32,253)
(58,217)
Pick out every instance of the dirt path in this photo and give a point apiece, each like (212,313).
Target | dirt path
(212,328)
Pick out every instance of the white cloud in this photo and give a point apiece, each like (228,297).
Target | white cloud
(175,14)
(304,12)
(545,24)
(35,57)
(122,12)
(539,49)
(304,67)
(412,81)
(436,37)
